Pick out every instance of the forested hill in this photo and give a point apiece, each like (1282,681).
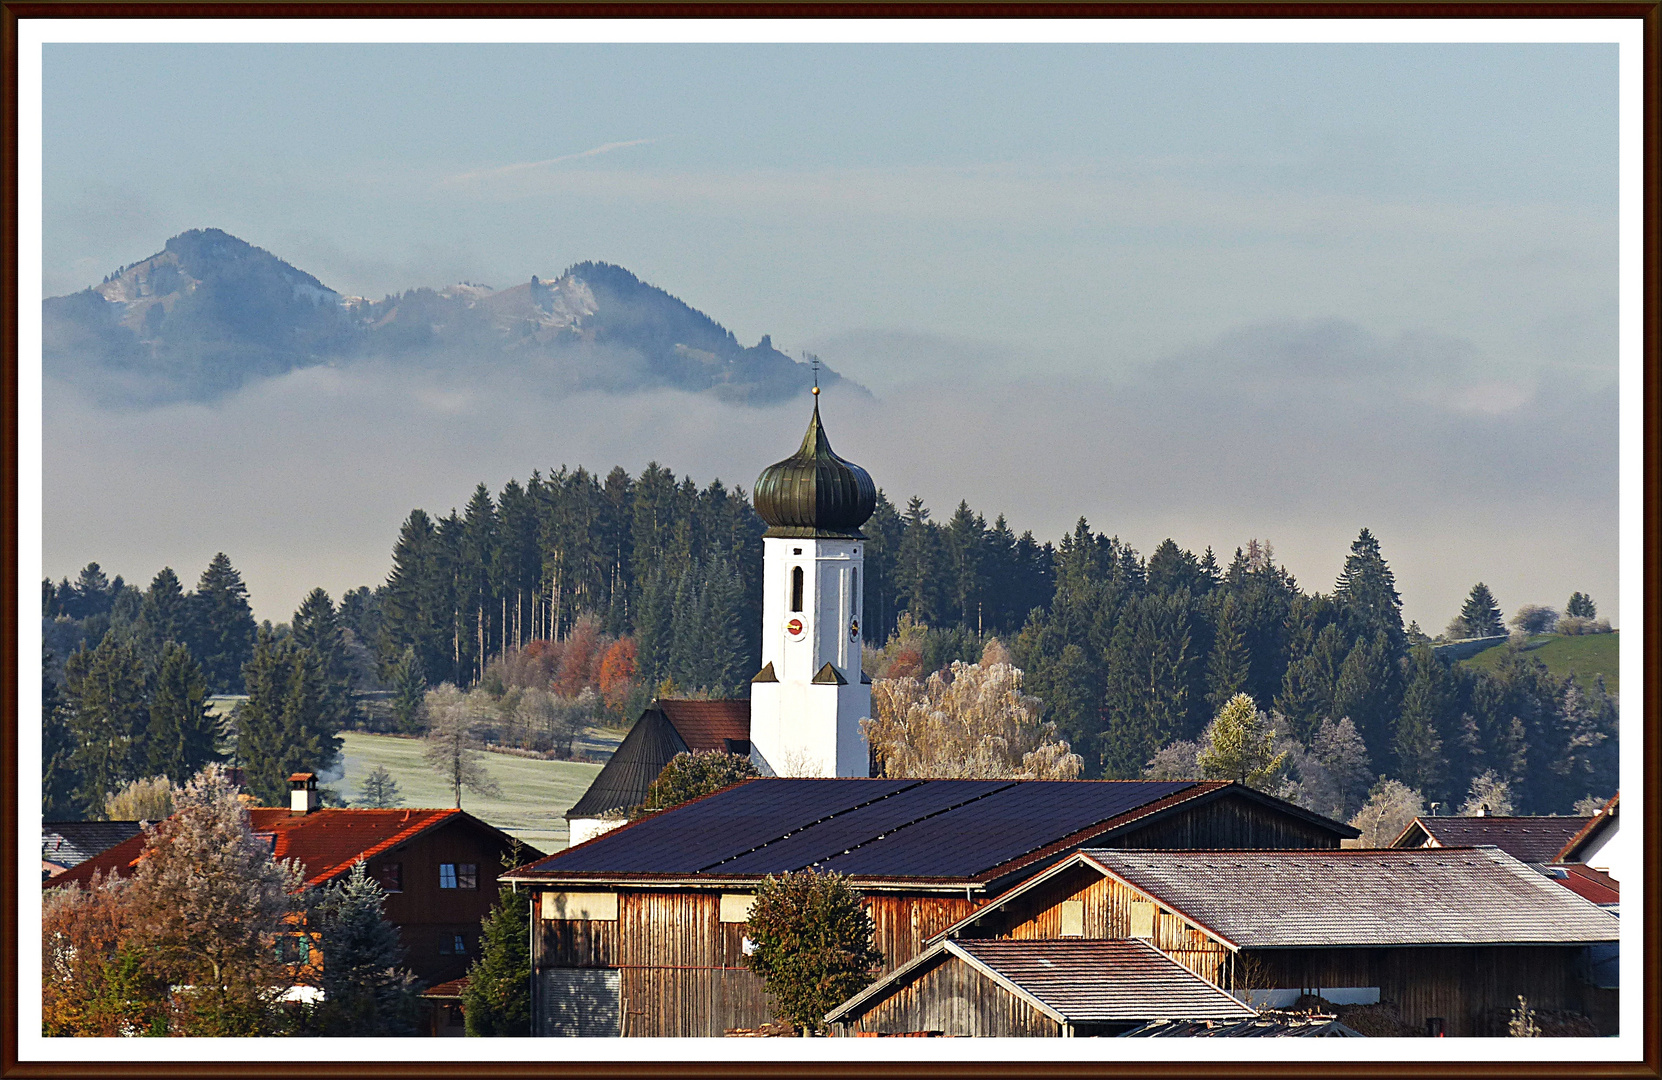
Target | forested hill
(210,312)
(1132,655)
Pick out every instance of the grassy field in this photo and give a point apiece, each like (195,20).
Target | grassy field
(1587,655)
(535,794)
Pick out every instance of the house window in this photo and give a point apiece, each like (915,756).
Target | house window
(452,944)
(392,877)
(293,948)
(796,588)
(447,875)
(467,875)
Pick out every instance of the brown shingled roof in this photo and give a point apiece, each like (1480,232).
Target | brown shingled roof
(709,725)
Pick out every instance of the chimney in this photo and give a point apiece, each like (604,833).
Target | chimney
(1483,811)
(303,793)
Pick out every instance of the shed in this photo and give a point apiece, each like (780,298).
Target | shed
(1034,988)
(666,728)
(649,918)
(1451,936)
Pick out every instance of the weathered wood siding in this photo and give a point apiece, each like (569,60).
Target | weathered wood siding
(953,998)
(904,922)
(1107,905)
(1228,822)
(1473,989)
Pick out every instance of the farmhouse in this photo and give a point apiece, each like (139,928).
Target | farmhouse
(1449,936)
(438,867)
(641,931)
(667,727)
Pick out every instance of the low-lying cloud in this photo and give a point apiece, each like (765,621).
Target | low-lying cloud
(1298,433)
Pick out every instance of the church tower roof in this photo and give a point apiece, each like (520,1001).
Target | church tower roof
(814,493)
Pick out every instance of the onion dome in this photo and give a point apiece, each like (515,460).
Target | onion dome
(814,493)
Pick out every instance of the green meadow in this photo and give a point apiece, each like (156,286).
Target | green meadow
(531,805)
(1587,655)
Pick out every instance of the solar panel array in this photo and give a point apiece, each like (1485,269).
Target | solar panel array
(865,828)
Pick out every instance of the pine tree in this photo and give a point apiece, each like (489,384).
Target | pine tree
(1229,667)
(316,627)
(283,727)
(183,735)
(166,610)
(1311,681)
(222,626)
(497,1001)
(1480,615)
(106,694)
(379,790)
(917,569)
(59,778)
(1151,670)
(366,991)
(1581,606)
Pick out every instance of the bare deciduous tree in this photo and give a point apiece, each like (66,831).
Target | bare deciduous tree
(1390,807)
(453,748)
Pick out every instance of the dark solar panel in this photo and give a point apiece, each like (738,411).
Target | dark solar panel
(689,838)
(1009,823)
(830,838)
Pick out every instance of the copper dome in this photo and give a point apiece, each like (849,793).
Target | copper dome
(814,493)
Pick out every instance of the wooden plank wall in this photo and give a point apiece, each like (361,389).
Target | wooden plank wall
(683,968)
(954,999)
(1227,822)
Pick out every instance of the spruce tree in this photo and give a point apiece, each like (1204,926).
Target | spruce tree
(1480,614)
(409,691)
(1581,606)
(106,692)
(379,791)
(316,627)
(183,735)
(1417,743)
(497,1001)
(1230,666)
(1366,590)
(366,991)
(222,634)
(59,779)
(166,610)
(1149,683)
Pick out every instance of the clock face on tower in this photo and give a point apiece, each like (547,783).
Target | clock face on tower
(794,628)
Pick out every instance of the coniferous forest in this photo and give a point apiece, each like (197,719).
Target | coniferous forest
(1132,655)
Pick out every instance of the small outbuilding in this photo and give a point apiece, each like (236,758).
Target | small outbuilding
(982,987)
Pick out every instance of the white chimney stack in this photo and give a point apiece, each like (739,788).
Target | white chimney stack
(303,793)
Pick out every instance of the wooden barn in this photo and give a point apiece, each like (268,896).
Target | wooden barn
(1449,936)
(666,728)
(641,931)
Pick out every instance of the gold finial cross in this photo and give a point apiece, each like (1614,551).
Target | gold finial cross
(816,375)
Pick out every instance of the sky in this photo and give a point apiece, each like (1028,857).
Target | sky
(1211,292)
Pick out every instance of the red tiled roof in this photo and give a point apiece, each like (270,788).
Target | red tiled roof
(325,842)
(706,725)
(1595,885)
(452,989)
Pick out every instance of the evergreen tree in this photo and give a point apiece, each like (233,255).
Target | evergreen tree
(379,790)
(918,562)
(106,693)
(283,727)
(1239,745)
(1229,667)
(813,944)
(1418,746)
(1366,590)
(1308,688)
(366,991)
(316,627)
(1150,682)
(183,735)
(1581,606)
(1480,615)
(497,1001)
(222,626)
(416,605)
(166,609)
(1368,688)
(59,779)
(409,690)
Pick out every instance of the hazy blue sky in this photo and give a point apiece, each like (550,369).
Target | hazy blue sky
(1219,291)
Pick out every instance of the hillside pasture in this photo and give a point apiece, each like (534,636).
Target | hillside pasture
(1587,655)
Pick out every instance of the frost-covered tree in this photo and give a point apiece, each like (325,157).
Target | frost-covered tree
(1489,794)
(970,721)
(379,790)
(452,745)
(1390,807)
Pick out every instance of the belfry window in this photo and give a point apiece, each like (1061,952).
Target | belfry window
(853,591)
(796,588)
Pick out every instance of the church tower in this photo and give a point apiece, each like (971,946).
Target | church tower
(807,702)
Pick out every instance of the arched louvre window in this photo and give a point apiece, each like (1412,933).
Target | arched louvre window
(796,588)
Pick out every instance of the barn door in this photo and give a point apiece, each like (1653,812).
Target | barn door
(581,1001)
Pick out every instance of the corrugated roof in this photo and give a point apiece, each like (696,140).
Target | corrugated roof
(1391,896)
(1104,980)
(667,728)
(70,843)
(949,830)
(326,842)
(1527,839)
